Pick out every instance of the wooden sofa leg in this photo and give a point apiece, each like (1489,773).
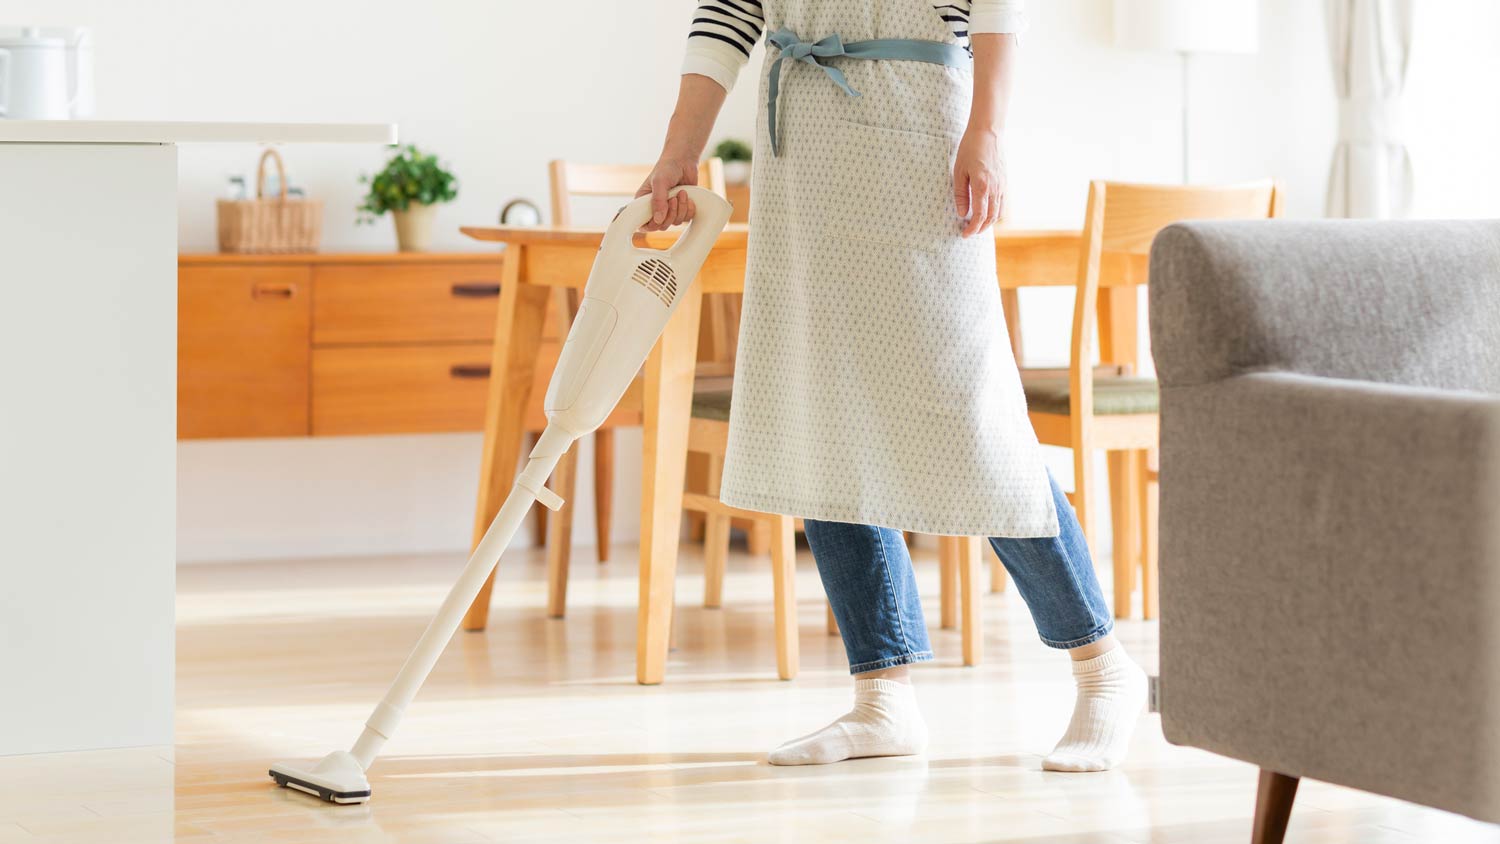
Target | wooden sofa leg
(1273,807)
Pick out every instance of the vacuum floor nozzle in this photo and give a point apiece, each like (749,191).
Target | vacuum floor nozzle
(336,779)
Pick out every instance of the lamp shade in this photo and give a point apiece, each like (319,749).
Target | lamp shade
(1188,26)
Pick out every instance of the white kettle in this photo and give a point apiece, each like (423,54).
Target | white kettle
(46,77)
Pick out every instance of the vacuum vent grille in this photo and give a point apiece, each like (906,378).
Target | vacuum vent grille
(658,277)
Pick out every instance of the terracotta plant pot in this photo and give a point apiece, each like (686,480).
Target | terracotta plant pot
(414,227)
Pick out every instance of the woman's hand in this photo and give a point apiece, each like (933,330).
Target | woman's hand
(698,103)
(668,211)
(979,180)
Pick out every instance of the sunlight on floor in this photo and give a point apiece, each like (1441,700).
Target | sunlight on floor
(536,731)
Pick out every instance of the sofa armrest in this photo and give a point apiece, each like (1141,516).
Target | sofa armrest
(1330,582)
(1395,301)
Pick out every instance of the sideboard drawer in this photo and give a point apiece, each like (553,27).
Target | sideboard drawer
(405,303)
(399,389)
(242,353)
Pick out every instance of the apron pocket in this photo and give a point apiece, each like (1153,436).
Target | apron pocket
(894,187)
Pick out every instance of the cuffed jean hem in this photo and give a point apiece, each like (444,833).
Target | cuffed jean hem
(891,662)
(1100,632)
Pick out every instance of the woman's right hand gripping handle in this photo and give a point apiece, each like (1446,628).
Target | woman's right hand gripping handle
(668,211)
(698,103)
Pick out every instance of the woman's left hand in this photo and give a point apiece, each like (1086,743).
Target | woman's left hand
(979,180)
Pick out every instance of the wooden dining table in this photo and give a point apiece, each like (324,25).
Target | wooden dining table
(539,260)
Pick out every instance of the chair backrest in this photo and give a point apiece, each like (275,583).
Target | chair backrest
(1124,218)
(570,179)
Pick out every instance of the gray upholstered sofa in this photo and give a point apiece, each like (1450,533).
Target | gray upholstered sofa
(1330,504)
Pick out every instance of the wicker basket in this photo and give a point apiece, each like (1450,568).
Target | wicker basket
(274,224)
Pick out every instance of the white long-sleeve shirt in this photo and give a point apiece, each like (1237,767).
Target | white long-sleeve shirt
(724,31)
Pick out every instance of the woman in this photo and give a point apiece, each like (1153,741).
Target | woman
(875,391)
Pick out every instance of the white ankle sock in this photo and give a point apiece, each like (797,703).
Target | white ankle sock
(884,722)
(1111,694)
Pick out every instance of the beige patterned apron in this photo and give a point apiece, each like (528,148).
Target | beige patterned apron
(874,382)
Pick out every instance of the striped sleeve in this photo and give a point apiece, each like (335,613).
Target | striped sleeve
(723,34)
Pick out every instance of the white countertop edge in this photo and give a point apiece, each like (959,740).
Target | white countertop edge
(179,132)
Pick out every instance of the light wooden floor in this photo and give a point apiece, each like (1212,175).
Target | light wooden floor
(536,731)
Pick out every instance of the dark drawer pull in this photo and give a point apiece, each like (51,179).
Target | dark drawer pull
(476,289)
(469,370)
(273,291)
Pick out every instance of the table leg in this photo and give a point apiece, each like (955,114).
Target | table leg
(518,332)
(948,582)
(667,411)
(565,484)
(970,554)
(1010,304)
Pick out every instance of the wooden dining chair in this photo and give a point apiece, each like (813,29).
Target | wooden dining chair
(569,180)
(1087,409)
(707,434)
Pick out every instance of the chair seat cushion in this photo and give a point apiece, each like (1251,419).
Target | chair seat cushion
(1116,396)
(712,405)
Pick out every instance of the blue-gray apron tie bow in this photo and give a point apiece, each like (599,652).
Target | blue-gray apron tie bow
(895,49)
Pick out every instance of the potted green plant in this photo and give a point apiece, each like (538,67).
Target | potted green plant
(411,186)
(736,157)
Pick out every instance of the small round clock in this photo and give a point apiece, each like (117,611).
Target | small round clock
(520,212)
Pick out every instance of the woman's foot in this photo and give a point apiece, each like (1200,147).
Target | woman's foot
(1111,695)
(885,721)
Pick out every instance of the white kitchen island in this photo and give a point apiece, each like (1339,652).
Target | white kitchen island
(88,373)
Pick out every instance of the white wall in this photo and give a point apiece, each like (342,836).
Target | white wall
(499,88)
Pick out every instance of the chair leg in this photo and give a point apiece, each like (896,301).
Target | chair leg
(1149,497)
(970,555)
(1124,523)
(1083,489)
(715,559)
(948,582)
(998,578)
(832,623)
(604,490)
(715,540)
(560,527)
(1273,807)
(698,481)
(758,538)
(784,584)
(538,514)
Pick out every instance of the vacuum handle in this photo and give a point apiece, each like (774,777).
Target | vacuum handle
(712,214)
(703,231)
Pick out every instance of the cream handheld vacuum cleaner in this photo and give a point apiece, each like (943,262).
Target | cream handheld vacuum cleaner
(631,293)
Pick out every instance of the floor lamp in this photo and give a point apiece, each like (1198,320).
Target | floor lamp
(1186,27)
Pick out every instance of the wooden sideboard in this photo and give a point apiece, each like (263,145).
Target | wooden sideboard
(336,344)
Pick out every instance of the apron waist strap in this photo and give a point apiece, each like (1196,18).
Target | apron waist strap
(792,47)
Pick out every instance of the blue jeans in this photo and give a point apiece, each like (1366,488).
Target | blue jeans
(867,574)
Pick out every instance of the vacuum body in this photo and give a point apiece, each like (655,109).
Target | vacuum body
(630,295)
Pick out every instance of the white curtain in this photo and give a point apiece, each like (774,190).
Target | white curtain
(1370,42)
